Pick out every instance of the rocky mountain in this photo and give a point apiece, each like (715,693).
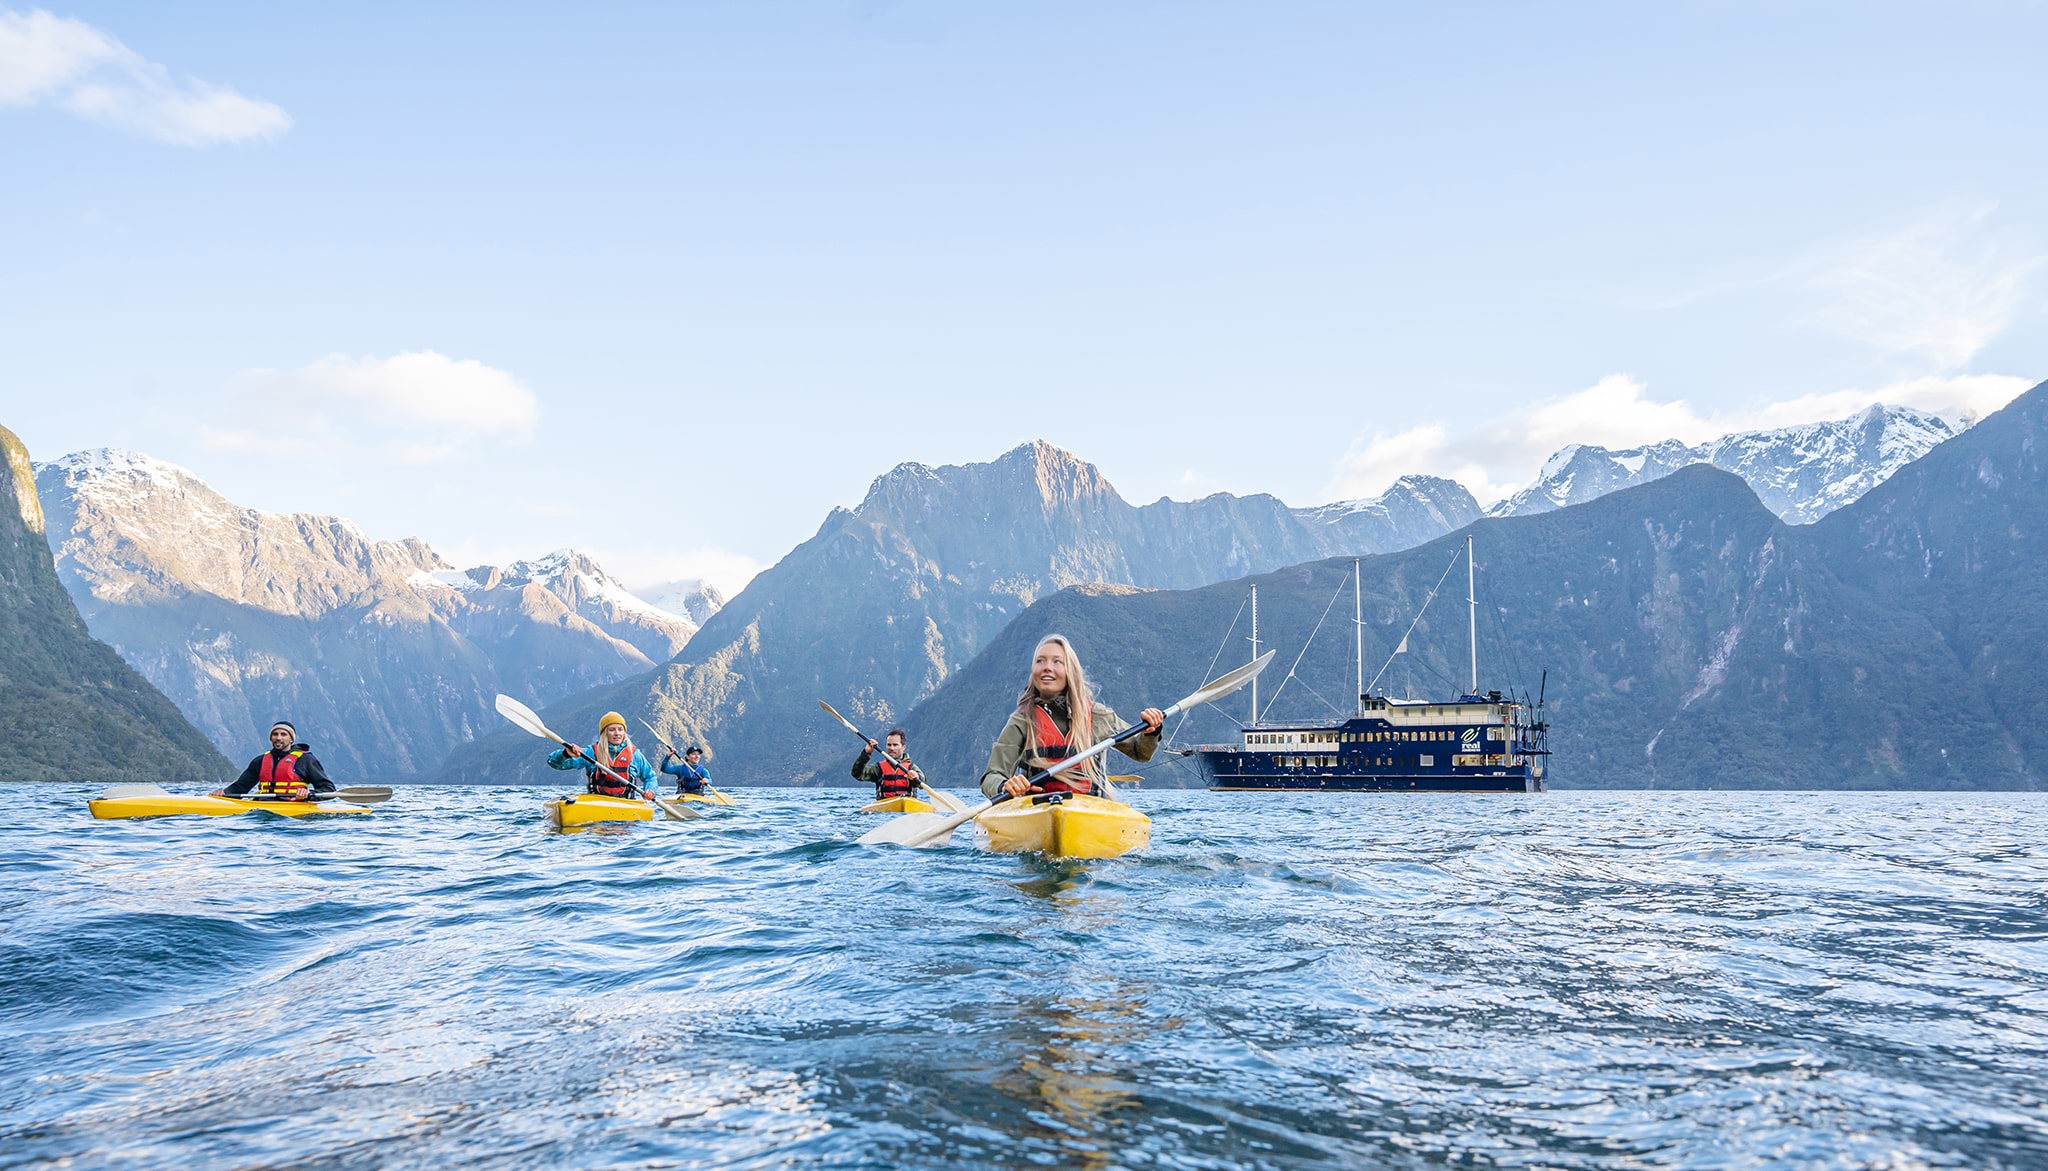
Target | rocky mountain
(1960,540)
(1801,473)
(72,709)
(1692,638)
(889,598)
(598,597)
(691,597)
(382,653)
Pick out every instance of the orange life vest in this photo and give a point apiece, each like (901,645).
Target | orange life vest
(601,782)
(278,780)
(1052,749)
(896,778)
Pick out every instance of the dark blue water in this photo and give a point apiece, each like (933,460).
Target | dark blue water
(1563,980)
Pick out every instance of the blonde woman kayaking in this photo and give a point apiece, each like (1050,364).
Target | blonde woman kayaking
(1056,718)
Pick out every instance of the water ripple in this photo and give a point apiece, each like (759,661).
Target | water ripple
(1304,980)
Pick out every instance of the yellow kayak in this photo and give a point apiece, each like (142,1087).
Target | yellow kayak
(590,808)
(153,801)
(716,797)
(1066,825)
(896,805)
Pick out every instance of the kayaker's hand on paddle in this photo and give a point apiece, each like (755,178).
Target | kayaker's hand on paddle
(571,751)
(871,748)
(1153,719)
(1017,786)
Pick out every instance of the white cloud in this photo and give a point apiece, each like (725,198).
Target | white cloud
(1959,397)
(1612,412)
(1375,461)
(1499,458)
(1936,291)
(46,59)
(419,407)
(729,572)
(419,386)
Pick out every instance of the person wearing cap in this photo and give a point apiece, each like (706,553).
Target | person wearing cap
(612,751)
(690,774)
(288,772)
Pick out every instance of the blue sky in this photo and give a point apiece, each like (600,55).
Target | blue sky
(666,283)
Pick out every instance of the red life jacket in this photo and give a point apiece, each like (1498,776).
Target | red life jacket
(896,778)
(1052,749)
(278,780)
(601,783)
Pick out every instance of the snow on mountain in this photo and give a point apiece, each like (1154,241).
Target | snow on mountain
(692,597)
(591,592)
(239,615)
(1416,509)
(1801,473)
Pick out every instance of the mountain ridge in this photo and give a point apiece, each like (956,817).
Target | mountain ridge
(382,652)
(73,709)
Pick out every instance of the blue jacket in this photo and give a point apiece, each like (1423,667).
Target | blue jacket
(687,771)
(638,771)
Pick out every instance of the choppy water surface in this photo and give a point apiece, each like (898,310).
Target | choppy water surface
(1570,979)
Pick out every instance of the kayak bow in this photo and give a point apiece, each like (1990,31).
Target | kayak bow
(897,805)
(590,808)
(122,801)
(1066,825)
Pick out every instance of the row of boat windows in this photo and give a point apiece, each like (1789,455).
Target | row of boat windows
(1424,761)
(1306,739)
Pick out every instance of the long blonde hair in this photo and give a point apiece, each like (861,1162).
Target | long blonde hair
(1080,706)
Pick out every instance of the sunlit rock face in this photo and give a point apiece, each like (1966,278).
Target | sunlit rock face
(383,654)
(890,597)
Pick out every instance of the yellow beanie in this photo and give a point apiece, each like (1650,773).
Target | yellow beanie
(609,719)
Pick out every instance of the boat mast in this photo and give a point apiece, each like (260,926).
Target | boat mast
(1255,653)
(1472,600)
(1358,631)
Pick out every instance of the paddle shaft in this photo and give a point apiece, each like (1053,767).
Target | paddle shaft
(672,752)
(865,739)
(862,736)
(1208,692)
(960,819)
(528,719)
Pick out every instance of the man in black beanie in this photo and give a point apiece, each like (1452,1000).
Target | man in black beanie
(288,772)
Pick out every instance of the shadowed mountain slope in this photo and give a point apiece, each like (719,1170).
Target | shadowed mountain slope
(888,599)
(1691,638)
(72,709)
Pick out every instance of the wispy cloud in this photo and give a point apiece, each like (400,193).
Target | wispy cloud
(1617,412)
(51,60)
(645,570)
(1935,292)
(416,407)
(1375,460)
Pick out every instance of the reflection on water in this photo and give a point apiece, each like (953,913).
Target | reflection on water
(1575,980)
(1085,1093)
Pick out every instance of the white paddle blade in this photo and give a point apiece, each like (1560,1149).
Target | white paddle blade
(117,792)
(524,716)
(945,801)
(1223,685)
(677,812)
(834,713)
(911,829)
